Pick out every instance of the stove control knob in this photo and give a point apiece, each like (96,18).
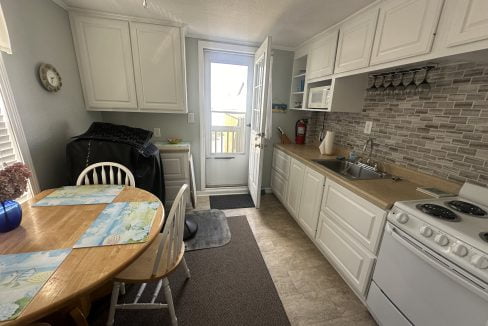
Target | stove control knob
(459,249)
(479,261)
(441,239)
(402,218)
(426,231)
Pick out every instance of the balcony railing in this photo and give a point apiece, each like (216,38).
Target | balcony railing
(226,140)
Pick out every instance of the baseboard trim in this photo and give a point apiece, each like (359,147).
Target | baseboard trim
(223,191)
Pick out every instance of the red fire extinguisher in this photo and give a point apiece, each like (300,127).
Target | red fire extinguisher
(300,131)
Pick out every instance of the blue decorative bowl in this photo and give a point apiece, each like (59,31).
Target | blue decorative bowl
(10,215)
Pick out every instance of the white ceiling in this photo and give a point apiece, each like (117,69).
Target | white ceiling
(289,22)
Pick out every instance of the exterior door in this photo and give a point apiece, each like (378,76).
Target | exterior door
(262,59)
(227,85)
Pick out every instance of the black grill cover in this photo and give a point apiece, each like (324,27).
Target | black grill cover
(131,147)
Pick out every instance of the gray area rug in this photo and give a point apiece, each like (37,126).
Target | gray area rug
(213,230)
(230,286)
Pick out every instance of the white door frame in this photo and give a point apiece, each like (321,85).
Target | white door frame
(216,46)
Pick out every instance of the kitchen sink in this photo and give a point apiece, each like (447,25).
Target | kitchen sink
(350,170)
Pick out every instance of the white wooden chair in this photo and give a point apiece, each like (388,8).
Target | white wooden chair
(160,259)
(117,174)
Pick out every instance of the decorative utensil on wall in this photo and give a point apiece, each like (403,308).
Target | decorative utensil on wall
(400,83)
(50,78)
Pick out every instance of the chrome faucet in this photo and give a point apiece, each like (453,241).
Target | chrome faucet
(370,141)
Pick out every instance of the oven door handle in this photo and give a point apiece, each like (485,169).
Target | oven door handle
(438,262)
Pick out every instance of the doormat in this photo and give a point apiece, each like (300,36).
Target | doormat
(231,201)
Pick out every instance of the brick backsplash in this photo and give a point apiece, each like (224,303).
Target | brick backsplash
(443,133)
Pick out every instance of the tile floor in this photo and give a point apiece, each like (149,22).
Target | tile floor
(312,292)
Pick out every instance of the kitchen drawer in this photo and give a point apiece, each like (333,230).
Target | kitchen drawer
(360,218)
(278,185)
(350,258)
(281,162)
(175,165)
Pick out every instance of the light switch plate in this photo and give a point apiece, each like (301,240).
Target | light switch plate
(367,127)
(191,117)
(157,132)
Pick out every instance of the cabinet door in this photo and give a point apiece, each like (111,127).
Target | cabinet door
(281,162)
(357,216)
(176,166)
(321,56)
(406,28)
(350,259)
(356,41)
(295,184)
(278,185)
(308,214)
(105,61)
(468,21)
(158,64)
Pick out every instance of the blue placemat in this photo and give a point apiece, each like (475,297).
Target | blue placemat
(81,195)
(120,223)
(22,276)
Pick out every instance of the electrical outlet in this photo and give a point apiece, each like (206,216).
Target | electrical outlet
(191,117)
(157,132)
(367,127)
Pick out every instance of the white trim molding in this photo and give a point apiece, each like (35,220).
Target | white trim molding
(223,191)
(16,123)
(217,46)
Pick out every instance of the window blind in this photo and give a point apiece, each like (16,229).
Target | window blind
(7,146)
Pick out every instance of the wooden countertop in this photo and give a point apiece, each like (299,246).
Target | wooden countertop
(381,192)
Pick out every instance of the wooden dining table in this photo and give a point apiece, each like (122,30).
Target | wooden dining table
(85,269)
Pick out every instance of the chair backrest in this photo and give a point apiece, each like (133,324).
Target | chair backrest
(172,237)
(97,174)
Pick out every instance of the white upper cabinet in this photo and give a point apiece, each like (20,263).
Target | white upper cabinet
(105,62)
(355,42)
(406,28)
(130,66)
(468,21)
(321,56)
(158,67)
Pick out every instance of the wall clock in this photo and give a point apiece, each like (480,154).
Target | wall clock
(50,78)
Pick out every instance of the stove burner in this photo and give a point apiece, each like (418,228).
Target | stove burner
(437,211)
(484,236)
(466,208)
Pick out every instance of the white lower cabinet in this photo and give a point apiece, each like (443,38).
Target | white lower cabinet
(344,226)
(280,173)
(351,260)
(311,197)
(360,218)
(349,233)
(295,184)
(278,185)
(176,166)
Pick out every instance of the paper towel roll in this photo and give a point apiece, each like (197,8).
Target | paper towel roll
(329,142)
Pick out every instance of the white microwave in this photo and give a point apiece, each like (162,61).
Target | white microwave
(319,97)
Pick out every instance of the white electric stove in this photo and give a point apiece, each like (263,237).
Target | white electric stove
(432,267)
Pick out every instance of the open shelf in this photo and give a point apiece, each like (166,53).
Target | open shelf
(298,93)
(300,75)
